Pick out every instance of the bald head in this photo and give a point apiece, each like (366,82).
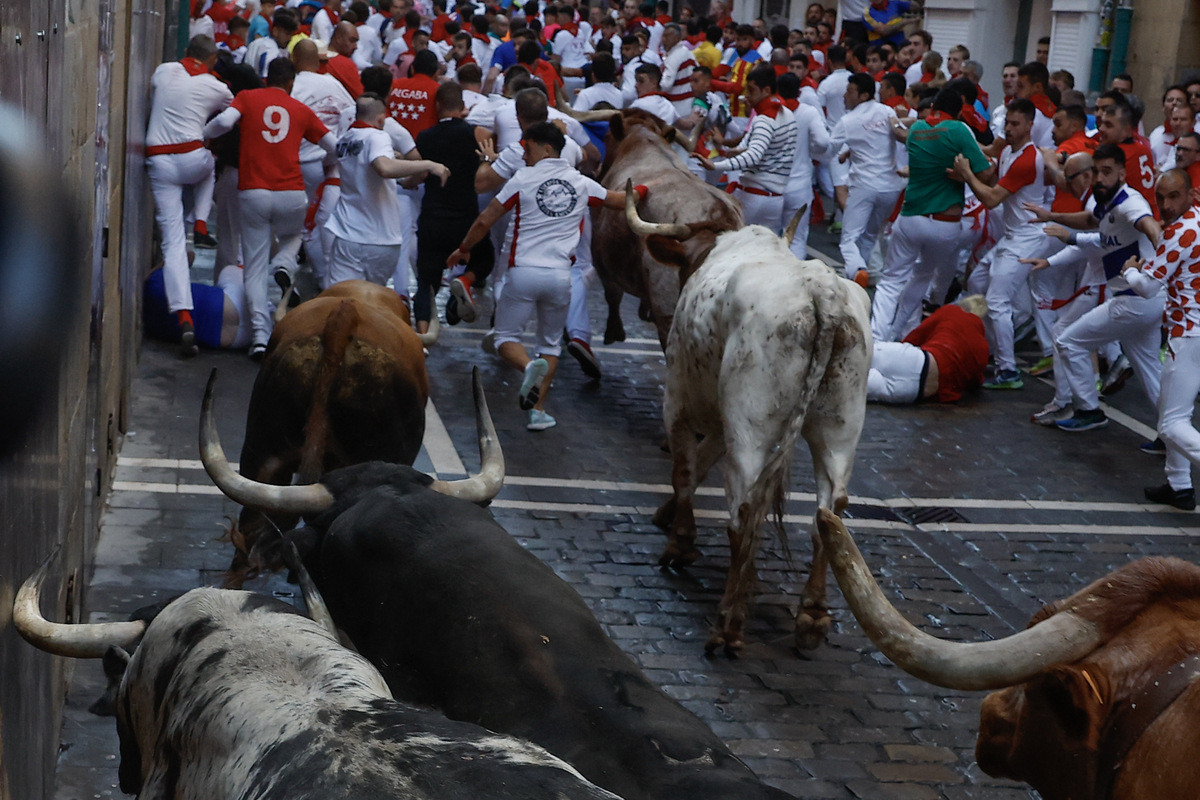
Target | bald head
(1174,194)
(344,40)
(304,56)
(1079,170)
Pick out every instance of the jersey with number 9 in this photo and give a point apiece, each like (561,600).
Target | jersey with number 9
(273,125)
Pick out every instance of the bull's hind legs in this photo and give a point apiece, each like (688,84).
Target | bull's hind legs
(614,330)
(692,461)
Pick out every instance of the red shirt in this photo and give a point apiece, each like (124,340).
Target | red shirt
(438,28)
(1139,171)
(955,339)
(545,70)
(1064,201)
(346,71)
(410,102)
(1194,172)
(272,126)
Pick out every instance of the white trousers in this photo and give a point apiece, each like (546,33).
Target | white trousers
(406,267)
(1176,403)
(895,375)
(529,291)
(583,276)
(350,261)
(866,213)
(799,193)
(268,215)
(317,240)
(1067,315)
(1134,321)
(229,222)
(896,307)
(1008,276)
(169,173)
(761,210)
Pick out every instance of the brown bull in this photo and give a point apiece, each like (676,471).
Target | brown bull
(343,381)
(1098,697)
(680,205)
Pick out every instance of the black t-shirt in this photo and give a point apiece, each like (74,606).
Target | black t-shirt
(450,142)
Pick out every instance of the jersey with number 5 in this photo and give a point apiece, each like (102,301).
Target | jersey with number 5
(273,125)
(1139,171)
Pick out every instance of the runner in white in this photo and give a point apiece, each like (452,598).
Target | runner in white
(650,98)
(812,141)
(184,94)
(549,200)
(603,89)
(768,155)
(834,174)
(1126,228)
(365,225)
(866,129)
(677,69)
(572,44)
(1176,265)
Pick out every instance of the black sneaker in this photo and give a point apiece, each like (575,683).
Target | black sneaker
(452,317)
(1183,499)
(203,241)
(187,341)
(282,279)
(257,351)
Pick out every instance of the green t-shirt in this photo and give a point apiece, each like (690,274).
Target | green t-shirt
(931,151)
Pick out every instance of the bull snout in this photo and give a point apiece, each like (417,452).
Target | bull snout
(997,731)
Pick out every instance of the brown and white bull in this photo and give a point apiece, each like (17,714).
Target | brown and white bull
(639,150)
(765,348)
(343,381)
(1098,698)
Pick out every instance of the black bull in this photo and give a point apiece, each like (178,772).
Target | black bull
(455,613)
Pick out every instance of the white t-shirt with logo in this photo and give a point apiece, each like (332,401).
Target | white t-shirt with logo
(329,100)
(367,211)
(548,201)
(1119,239)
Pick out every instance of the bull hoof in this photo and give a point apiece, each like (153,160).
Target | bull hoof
(729,641)
(665,514)
(645,312)
(812,627)
(665,445)
(614,332)
(678,554)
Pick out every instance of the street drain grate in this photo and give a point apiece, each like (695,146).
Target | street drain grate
(920,516)
(871,512)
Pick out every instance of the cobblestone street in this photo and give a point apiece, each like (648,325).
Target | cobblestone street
(970,517)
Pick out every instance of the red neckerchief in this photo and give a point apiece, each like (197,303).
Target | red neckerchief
(572,29)
(358,123)
(694,41)
(467,59)
(654,94)
(895,68)
(665,19)
(897,102)
(233,41)
(1008,98)
(982,96)
(792,104)
(937,117)
(1043,104)
(779,69)
(194,67)
(769,106)
(970,116)
(878,76)
(483,37)
(926,77)
(808,81)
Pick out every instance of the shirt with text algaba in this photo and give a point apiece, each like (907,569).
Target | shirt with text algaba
(932,146)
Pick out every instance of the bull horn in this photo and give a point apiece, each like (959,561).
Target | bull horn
(643,228)
(89,640)
(310,499)
(690,141)
(487,484)
(312,595)
(1060,639)
(281,310)
(564,105)
(429,337)
(790,233)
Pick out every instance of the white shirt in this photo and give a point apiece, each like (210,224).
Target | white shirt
(402,140)
(812,141)
(656,31)
(548,201)
(765,48)
(573,48)
(1118,236)
(999,115)
(851,10)
(676,77)
(261,52)
(659,106)
(508,130)
(367,210)
(472,99)
(1022,173)
(512,158)
(808,97)
(867,130)
(370,47)
(1162,144)
(322,26)
(181,104)
(913,73)
(832,94)
(1042,134)
(587,99)
(330,101)
(482,51)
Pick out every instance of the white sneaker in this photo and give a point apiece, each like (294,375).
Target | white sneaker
(1051,414)
(540,421)
(531,386)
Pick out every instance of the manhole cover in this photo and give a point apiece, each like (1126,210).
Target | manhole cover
(870,512)
(920,516)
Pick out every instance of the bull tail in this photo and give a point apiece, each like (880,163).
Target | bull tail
(339,330)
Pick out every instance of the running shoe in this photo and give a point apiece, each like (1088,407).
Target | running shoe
(203,241)
(539,420)
(1083,421)
(586,358)
(862,277)
(1051,414)
(187,341)
(531,386)
(1044,364)
(257,351)
(282,279)
(466,303)
(1114,380)
(1183,499)
(452,316)
(488,344)
(1156,448)
(1005,379)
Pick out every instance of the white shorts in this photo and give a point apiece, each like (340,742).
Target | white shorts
(544,291)
(365,262)
(897,375)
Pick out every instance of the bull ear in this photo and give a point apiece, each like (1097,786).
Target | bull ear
(1078,697)
(616,126)
(668,251)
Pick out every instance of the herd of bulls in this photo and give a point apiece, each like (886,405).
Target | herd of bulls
(443,660)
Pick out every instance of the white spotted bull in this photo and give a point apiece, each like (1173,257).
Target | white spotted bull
(764,348)
(235,696)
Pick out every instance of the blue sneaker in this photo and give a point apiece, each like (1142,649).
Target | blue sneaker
(531,386)
(1005,379)
(1155,448)
(539,421)
(1083,421)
